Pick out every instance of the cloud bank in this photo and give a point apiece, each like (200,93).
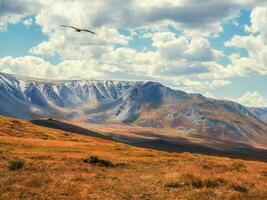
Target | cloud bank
(179,33)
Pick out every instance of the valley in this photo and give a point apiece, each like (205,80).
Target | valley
(161,139)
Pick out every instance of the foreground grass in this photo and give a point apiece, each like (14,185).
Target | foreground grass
(60,165)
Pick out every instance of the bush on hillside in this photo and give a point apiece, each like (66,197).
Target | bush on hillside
(15,165)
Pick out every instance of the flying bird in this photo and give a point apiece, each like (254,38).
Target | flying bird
(79,29)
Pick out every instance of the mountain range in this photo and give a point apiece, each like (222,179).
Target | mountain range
(145,104)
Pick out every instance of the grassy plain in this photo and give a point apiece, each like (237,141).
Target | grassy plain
(55,167)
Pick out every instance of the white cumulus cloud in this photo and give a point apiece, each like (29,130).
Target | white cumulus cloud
(251,99)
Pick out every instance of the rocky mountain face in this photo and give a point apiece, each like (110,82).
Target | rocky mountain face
(25,97)
(143,103)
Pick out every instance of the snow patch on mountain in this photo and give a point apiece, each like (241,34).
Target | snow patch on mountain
(70,94)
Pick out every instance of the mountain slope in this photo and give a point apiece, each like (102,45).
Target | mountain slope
(30,98)
(260,113)
(147,104)
(154,105)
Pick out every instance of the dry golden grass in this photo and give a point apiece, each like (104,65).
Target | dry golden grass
(54,168)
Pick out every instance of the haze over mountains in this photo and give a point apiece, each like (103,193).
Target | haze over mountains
(147,104)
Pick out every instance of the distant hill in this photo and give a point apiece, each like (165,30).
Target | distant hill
(55,124)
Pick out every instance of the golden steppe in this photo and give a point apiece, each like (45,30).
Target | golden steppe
(54,167)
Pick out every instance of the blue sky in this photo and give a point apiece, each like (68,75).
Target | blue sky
(214,48)
(18,39)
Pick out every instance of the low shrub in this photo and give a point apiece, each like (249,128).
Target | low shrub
(214,183)
(94,160)
(172,184)
(15,165)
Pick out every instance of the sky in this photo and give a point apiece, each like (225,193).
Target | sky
(216,48)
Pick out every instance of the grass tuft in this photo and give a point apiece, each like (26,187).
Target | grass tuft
(238,166)
(189,180)
(239,188)
(193,181)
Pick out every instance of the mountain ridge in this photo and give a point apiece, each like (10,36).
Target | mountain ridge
(148,104)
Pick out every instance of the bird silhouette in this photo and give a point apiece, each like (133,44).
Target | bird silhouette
(79,29)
